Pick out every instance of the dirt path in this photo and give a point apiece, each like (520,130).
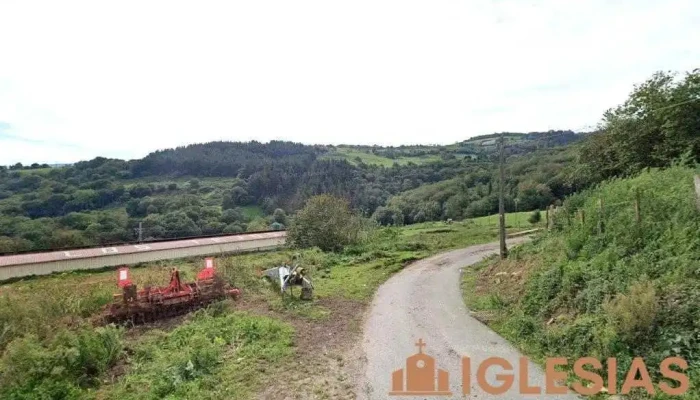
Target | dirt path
(424,302)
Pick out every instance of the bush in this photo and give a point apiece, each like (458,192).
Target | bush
(325,222)
(61,368)
(535,217)
(233,228)
(633,315)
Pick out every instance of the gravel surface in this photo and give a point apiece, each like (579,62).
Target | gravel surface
(424,302)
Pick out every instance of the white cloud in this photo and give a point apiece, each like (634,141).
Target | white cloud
(81,79)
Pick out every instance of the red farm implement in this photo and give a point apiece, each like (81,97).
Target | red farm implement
(153,303)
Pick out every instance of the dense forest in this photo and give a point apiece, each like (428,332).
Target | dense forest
(229,187)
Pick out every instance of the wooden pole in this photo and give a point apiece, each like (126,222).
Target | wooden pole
(546,218)
(551,216)
(501,201)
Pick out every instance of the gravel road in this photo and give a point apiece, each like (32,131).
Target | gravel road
(424,302)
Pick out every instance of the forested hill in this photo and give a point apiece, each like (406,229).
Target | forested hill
(231,159)
(227,187)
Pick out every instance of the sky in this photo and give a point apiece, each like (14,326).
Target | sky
(124,78)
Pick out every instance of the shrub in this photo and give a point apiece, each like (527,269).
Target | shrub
(60,368)
(325,222)
(535,217)
(633,315)
(233,228)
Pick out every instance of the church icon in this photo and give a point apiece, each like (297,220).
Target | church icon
(420,377)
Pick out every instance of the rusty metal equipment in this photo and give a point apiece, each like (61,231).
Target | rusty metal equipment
(286,277)
(153,303)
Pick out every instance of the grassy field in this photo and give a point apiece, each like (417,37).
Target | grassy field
(610,285)
(350,154)
(513,220)
(37,171)
(52,349)
(252,212)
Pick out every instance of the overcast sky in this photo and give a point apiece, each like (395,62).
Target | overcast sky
(124,78)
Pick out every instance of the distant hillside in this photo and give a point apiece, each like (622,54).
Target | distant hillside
(477,148)
(519,143)
(534,181)
(225,187)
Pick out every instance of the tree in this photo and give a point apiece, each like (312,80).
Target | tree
(269,205)
(193,184)
(13,245)
(279,216)
(238,196)
(388,216)
(74,220)
(659,122)
(534,196)
(179,224)
(140,190)
(233,228)
(232,215)
(326,222)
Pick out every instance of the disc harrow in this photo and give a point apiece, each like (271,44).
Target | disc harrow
(133,306)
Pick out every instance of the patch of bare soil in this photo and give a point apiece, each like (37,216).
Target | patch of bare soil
(323,366)
(503,277)
(506,278)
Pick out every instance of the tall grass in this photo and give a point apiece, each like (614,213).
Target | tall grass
(60,368)
(216,353)
(50,350)
(632,289)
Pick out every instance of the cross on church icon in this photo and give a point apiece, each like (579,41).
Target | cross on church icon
(421,377)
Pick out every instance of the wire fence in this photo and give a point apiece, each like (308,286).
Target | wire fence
(566,216)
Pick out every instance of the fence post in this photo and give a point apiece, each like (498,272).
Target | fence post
(551,215)
(546,218)
(601,217)
(637,212)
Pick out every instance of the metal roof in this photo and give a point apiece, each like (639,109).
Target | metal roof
(35,258)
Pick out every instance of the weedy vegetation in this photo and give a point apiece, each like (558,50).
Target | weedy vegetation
(52,349)
(613,285)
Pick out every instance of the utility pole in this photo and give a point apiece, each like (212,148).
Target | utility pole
(501,194)
(139,230)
